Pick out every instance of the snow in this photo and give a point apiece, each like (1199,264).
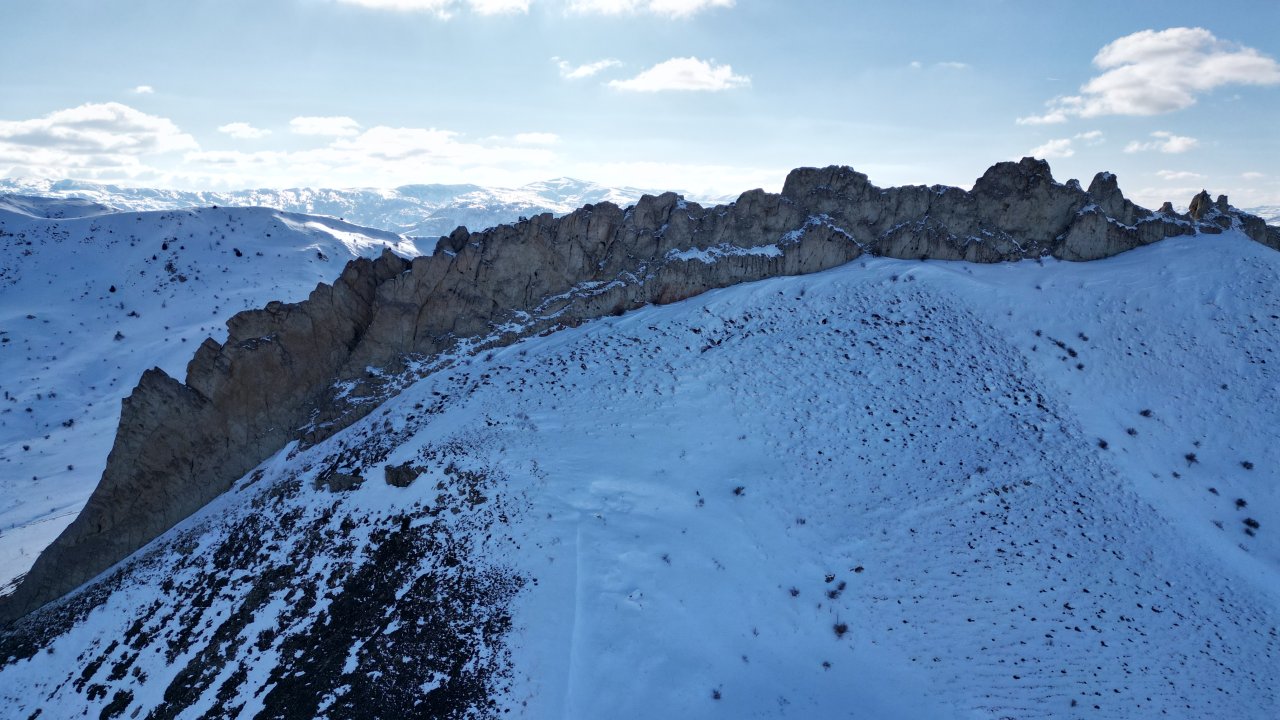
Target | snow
(1270,213)
(702,494)
(419,210)
(164,281)
(723,250)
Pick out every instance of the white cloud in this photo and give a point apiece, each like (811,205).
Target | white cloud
(144,90)
(1178,175)
(944,65)
(570,72)
(1060,148)
(699,181)
(381,156)
(1154,72)
(1065,147)
(243,131)
(537,138)
(93,140)
(683,74)
(97,128)
(668,8)
(1165,142)
(115,143)
(446,8)
(439,7)
(1253,175)
(498,7)
(339,126)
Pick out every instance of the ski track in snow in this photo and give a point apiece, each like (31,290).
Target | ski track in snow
(893,490)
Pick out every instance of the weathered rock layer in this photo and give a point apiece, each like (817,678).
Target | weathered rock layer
(287,372)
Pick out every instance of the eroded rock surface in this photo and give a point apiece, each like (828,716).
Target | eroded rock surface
(304,371)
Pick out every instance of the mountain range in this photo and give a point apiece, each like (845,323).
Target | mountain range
(415,210)
(913,452)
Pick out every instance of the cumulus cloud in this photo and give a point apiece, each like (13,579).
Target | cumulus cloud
(331,126)
(94,139)
(1178,175)
(143,90)
(569,71)
(668,8)
(243,131)
(1154,72)
(97,129)
(1065,147)
(115,143)
(689,74)
(1165,142)
(1060,148)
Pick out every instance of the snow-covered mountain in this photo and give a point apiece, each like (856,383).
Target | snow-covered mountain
(896,489)
(1270,213)
(88,303)
(416,210)
(550,472)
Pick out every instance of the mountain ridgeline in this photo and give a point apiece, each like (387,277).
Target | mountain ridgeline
(302,372)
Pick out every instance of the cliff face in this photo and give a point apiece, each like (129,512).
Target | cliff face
(304,371)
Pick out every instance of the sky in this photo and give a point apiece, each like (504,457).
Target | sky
(710,97)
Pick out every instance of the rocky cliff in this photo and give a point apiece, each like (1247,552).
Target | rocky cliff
(304,371)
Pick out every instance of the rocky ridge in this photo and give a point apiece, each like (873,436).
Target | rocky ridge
(304,371)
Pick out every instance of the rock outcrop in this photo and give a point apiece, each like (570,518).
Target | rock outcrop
(304,371)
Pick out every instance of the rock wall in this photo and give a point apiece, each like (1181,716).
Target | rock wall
(280,375)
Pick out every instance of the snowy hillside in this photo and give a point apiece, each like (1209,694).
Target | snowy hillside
(418,210)
(896,489)
(87,304)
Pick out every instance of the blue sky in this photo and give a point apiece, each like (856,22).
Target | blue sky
(707,96)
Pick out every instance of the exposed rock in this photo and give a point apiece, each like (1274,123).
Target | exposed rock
(339,482)
(277,377)
(402,475)
(1201,204)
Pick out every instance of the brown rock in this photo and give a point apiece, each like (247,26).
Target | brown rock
(1200,206)
(402,475)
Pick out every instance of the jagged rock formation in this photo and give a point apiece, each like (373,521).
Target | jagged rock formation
(304,371)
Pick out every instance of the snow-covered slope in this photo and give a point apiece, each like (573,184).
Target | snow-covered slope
(52,207)
(895,490)
(418,210)
(87,304)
